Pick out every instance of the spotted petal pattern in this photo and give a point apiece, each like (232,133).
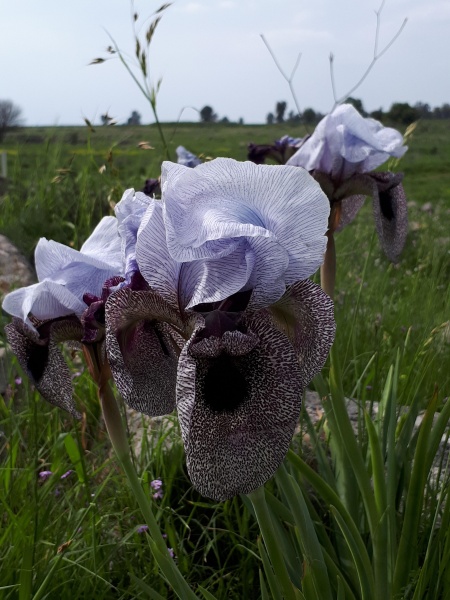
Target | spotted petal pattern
(237,411)
(391,213)
(143,346)
(40,356)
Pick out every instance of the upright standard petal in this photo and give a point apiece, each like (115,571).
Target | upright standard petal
(129,212)
(238,400)
(345,143)
(274,216)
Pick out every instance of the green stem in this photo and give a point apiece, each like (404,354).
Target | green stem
(120,444)
(264,519)
(328,268)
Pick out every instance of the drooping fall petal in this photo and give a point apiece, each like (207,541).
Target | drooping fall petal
(238,400)
(142,347)
(305,314)
(390,213)
(40,356)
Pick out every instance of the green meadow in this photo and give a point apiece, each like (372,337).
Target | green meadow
(78,537)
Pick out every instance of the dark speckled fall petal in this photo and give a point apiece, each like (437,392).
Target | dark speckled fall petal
(237,411)
(390,213)
(305,314)
(143,350)
(42,359)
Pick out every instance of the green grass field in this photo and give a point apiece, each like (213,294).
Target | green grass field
(77,537)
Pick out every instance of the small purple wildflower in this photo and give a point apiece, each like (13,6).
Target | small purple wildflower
(164,536)
(157,496)
(156,484)
(171,552)
(67,474)
(18,380)
(44,475)
(142,529)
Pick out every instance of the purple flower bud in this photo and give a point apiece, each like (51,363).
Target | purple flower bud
(44,475)
(18,380)
(157,496)
(67,474)
(142,529)
(156,484)
(171,552)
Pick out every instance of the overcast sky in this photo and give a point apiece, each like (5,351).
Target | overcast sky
(210,52)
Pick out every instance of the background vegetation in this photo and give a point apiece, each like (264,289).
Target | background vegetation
(77,537)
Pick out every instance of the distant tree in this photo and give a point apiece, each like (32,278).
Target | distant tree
(10,116)
(357,103)
(241,121)
(207,115)
(402,112)
(293,117)
(424,110)
(225,120)
(445,111)
(309,116)
(270,118)
(377,114)
(280,109)
(134,119)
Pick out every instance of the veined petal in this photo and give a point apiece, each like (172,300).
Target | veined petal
(155,263)
(237,410)
(43,361)
(130,211)
(305,314)
(277,210)
(349,209)
(345,143)
(142,347)
(102,251)
(45,300)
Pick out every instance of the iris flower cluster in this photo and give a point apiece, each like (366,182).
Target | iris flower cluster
(199,302)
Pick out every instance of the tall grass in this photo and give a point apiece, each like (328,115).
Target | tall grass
(362,516)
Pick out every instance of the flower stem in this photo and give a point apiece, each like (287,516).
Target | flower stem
(120,444)
(328,268)
(264,519)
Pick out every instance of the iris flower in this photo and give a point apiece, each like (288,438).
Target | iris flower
(230,329)
(280,151)
(67,304)
(342,154)
(186,158)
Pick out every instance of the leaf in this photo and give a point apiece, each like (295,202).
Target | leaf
(75,456)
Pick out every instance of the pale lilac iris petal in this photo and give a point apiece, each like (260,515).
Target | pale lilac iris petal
(345,143)
(129,212)
(104,243)
(276,211)
(186,158)
(45,300)
(155,263)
